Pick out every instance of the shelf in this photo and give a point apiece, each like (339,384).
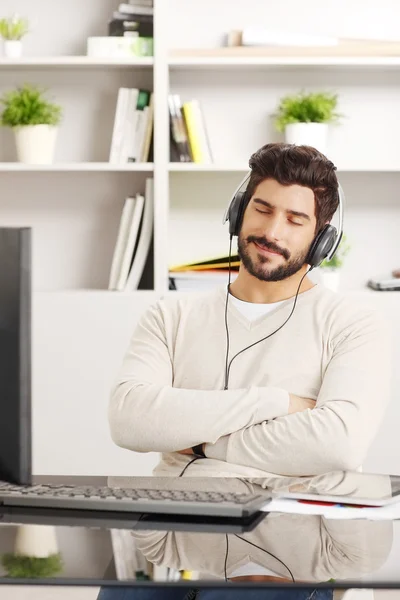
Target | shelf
(237,168)
(85,167)
(95,292)
(362,293)
(196,168)
(74,62)
(245,62)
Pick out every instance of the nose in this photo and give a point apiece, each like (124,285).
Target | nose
(274,228)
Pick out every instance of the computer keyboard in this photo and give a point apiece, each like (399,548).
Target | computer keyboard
(72,491)
(135,499)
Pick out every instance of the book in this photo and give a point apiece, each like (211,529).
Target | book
(121,113)
(131,243)
(136,8)
(129,561)
(179,136)
(144,242)
(140,125)
(122,236)
(214,263)
(133,126)
(148,131)
(131,25)
(141,2)
(128,146)
(197,134)
(197,280)
(261,36)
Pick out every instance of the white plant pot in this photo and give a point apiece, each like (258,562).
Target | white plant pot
(36,143)
(12,48)
(308,134)
(330,278)
(39,541)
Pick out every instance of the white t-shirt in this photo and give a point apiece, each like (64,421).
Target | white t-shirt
(253,569)
(251,310)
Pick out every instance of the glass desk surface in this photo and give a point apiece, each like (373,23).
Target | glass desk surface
(288,549)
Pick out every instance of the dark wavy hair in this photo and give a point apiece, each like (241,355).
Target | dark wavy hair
(302,165)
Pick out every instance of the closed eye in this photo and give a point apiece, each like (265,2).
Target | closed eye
(266,212)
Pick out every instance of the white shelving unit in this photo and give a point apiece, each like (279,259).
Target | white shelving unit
(80,330)
(83,166)
(52,62)
(74,206)
(286,62)
(236,168)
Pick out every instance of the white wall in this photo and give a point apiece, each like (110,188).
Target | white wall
(79,340)
(203,24)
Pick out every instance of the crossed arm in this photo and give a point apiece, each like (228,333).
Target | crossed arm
(255,427)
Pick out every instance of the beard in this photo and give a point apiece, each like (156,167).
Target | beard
(260,268)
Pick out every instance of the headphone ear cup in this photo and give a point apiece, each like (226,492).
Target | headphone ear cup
(321,246)
(235,214)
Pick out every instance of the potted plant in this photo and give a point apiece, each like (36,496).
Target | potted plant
(34,121)
(12,30)
(305,118)
(330,270)
(35,553)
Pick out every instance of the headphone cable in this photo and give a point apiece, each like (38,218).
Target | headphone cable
(228,366)
(226,315)
(255,546)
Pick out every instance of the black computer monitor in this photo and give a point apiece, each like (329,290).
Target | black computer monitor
(15,355)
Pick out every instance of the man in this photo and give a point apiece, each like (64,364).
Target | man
(305,400)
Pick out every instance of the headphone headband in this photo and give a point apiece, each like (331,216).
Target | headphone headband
(226,213)
(342,200)
(325,243)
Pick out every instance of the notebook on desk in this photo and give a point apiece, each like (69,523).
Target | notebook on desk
(197,503)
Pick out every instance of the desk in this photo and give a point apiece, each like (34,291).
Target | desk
(310,549)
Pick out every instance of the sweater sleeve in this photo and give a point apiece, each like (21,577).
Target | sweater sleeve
(147,414)
(338,432)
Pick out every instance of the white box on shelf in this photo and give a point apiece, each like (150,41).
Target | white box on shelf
(119,46)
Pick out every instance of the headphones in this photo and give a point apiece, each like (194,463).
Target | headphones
(325,243)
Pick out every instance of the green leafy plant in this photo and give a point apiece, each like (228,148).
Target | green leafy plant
(19,566)
(13,28)
(337,259)
(27,106)
(318,107)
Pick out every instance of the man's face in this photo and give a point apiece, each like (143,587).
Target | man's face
(277,230)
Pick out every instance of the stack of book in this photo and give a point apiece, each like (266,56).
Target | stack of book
(133,126)
(203,275)
(134,20)
(132,267)
(188,133)
(130,33)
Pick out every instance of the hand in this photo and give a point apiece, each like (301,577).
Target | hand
(298,404)
(187,451)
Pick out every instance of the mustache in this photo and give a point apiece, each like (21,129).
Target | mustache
(263,242)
